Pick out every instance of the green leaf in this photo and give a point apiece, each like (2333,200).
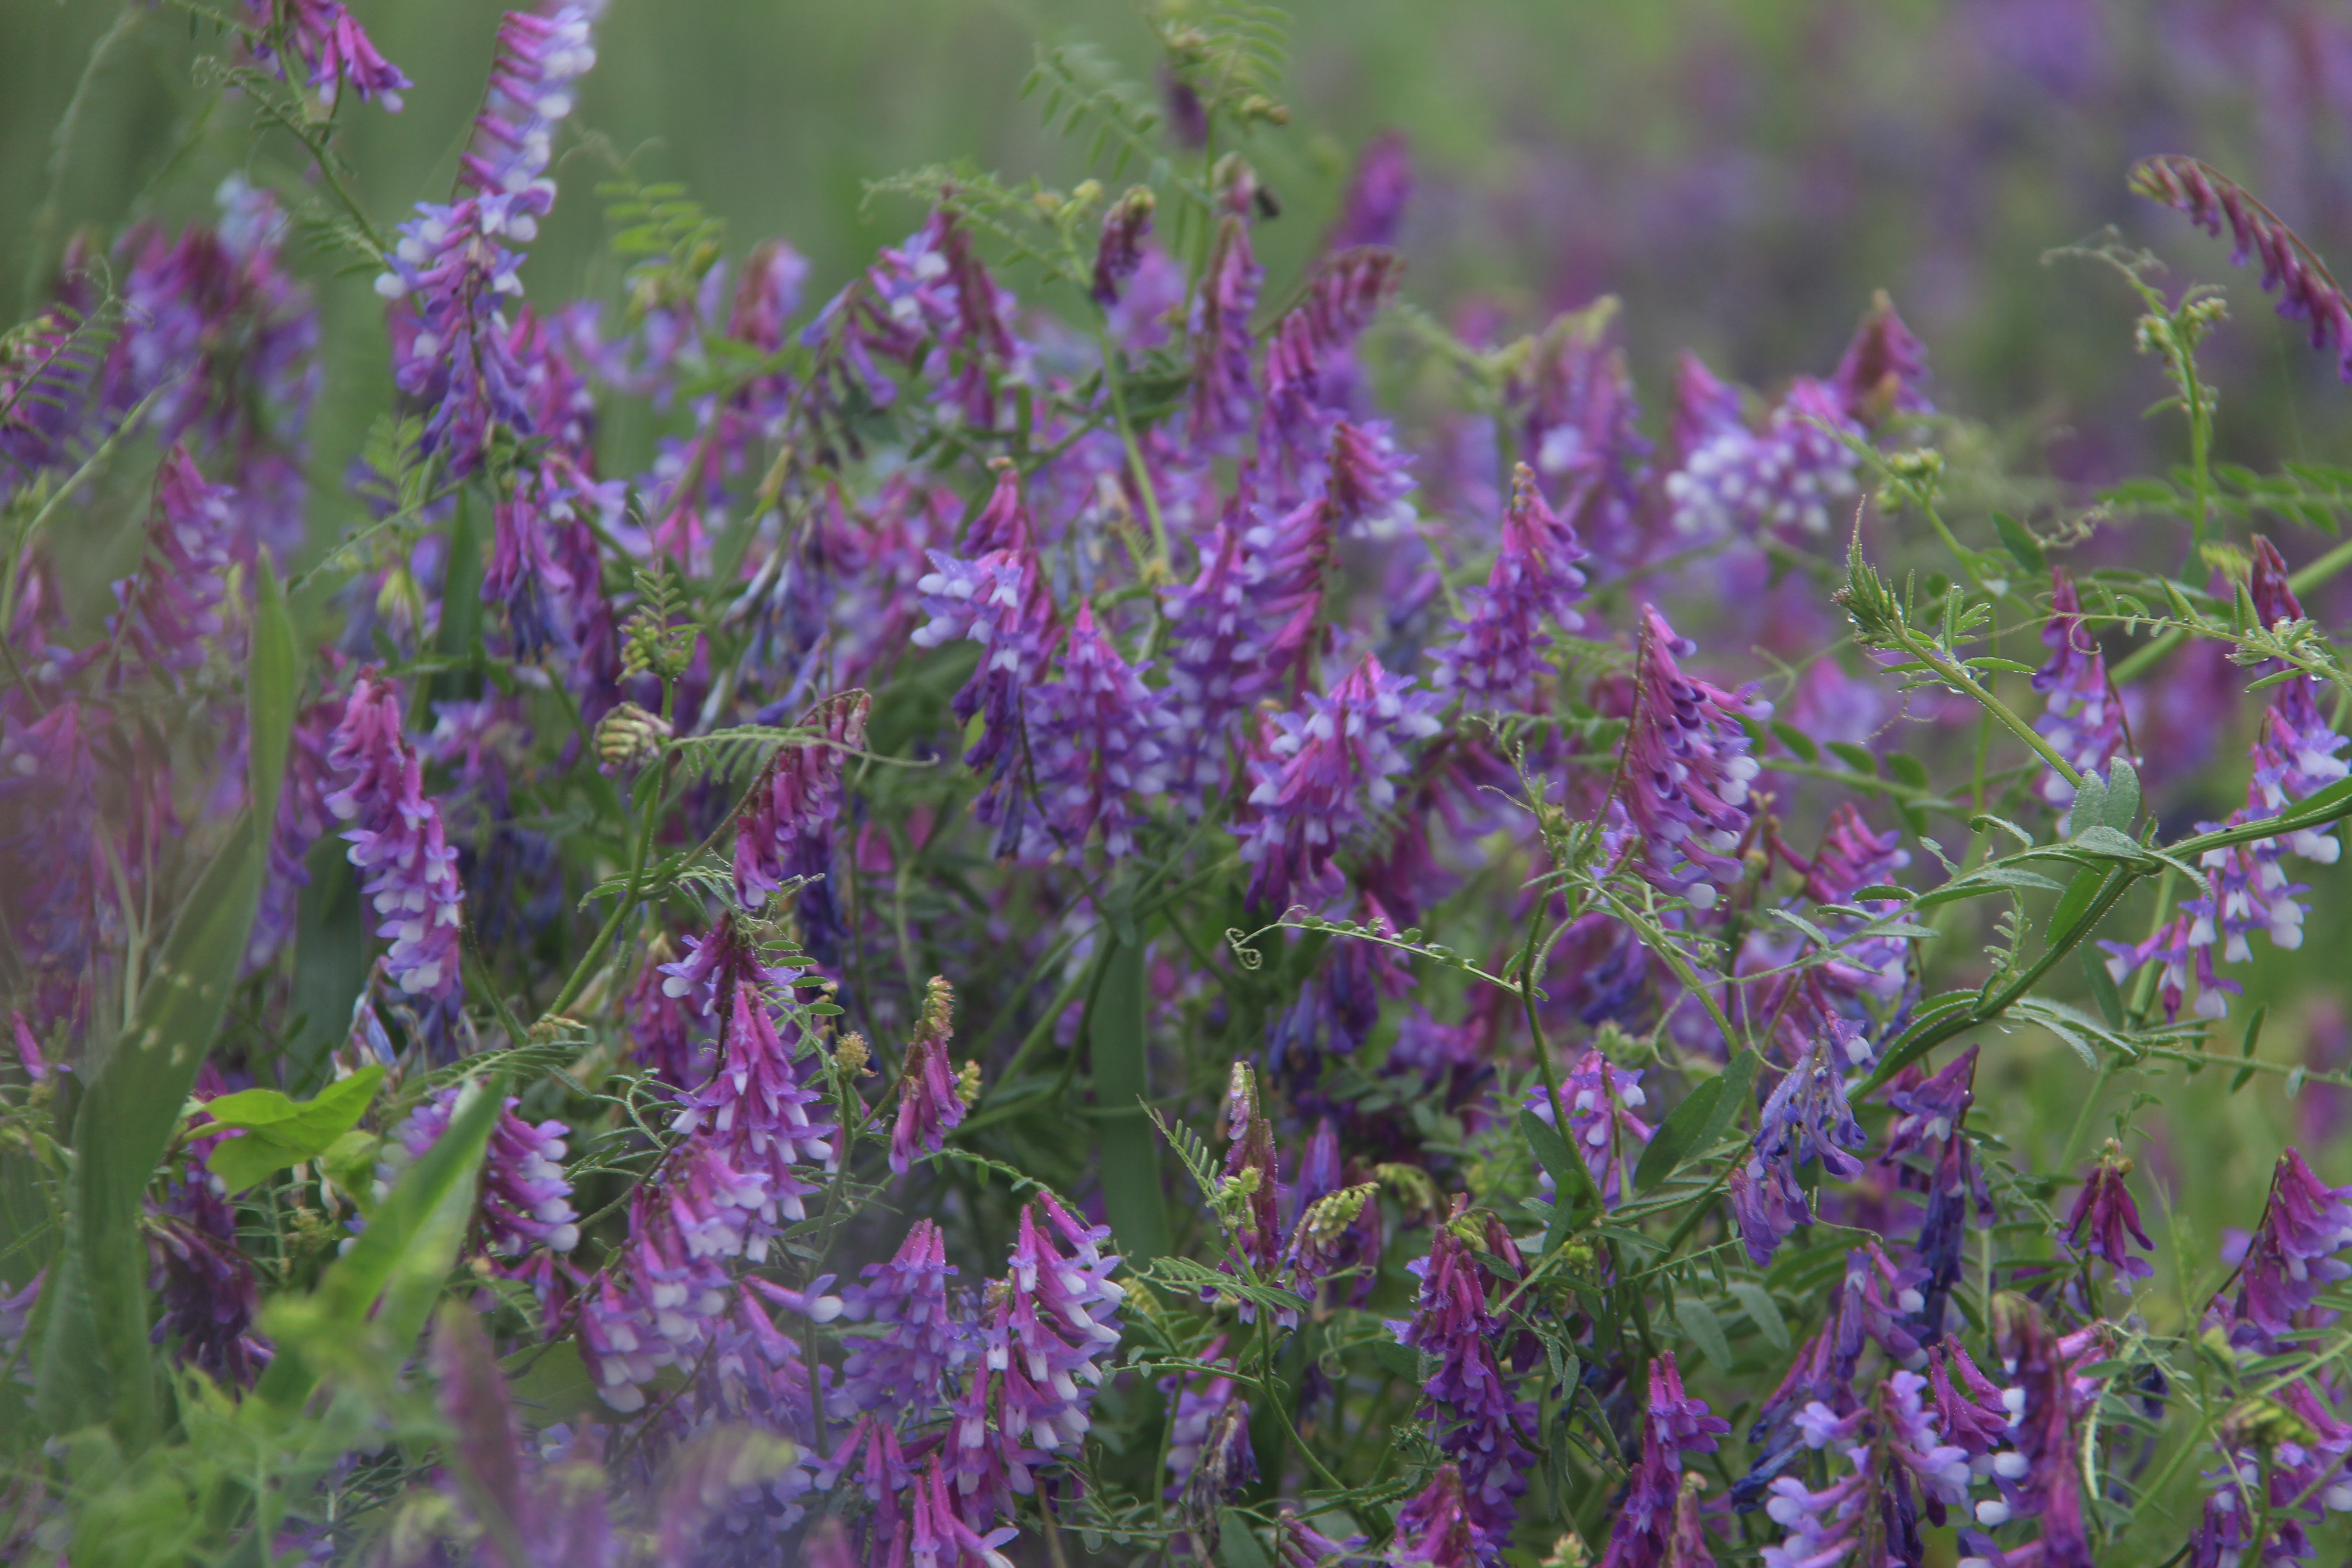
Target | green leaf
(2081,893)
(1763,1311)
(1574,1194)
(2106,842)
(1907,768)
(1854,757)
(378,1295)
(2010,666)
(2022,547)
(1677,1133)
(2090,804)
(2246,1050)
(1801,745)
(1237,1546)
(2103,989)
(1698,1321)
(278,1131)
(1135,1197)
(2123,796)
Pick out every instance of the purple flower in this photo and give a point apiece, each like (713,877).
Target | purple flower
(204,1289)
(1852,858)
(58,895)
(940,1536)
(323,35)
(1583,431)
(2292,1257)
(1320,770)
(2083,716)
(1673,1424)
(903,1369)
(1492,659)
(1470,1397)
(784,830)
(2042,1477)
(1435,1529)
(1686,770)
(171,608)
(2183,948)
(1806,1118)
(302,821)
(1366,482)
(715,966)
(1095,742)
(2295,754)
(1735,480)
(1209,1454)
(1220,333)
(929,1106)
(1884,370)
(2104,1215)
(1119,253)
(524,1199)
(397,841)
(554,1508)
(1598,1101)
(1060,1315)
(524,578)
(1372,209)
(1897,1461)
(1298,1545)
(758,1112)
(2306,293)
(1338,1004)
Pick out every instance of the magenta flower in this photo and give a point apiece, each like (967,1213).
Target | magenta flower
(1220,333)
(2083,716)
(1673,1424)
(397,841)
(1583,434)
(1884,370)
(1059,1317)
(1322,769)
(758,1112)
(1493,660)
(170,609)
(1095,741)
(2292,1257)
(930,1107)
(1482,1424)
(524,1198)
(1686,770)
(1372,209)
(2104,1215)
(2306,293)
(1119,253)
(1435,1529)
(323,35)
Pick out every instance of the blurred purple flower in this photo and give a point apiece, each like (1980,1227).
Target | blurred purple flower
(1686,770)
(930,1107)
(1493,660)
(2306,293)
(397,841)
(2083,717)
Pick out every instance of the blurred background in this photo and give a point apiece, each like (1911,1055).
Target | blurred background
(1743,172)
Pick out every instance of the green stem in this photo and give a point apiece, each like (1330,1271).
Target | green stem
(1953,674)
(2137,662)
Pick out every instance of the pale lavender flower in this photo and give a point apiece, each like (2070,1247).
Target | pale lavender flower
(2182,947)
(1686,770)
(903,1371)
(2083,716)
(1789,477)
(398,841)
(1209,1453)
(930,1107)
(1599,1100)
(2295,754)
(1322,770)
(1493,660)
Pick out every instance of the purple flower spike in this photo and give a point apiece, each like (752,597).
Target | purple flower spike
(1787,480)
(785,829)
(1060,1316)
(1686,770)
(1125,227)
(2292,1257)
(1434,1530)
(929,1106)
(1583,433)
(1209,1453)
(1884,370)
(1322,769)
(398,841)
(1493,660)
(2083,717)
(1222,394)
(1807,1118)
(2294,755)
(1469,1396)
(1673,1424)
(2104,1215)
(171,608)
(903,1369)
(525,1199)
(1598,1099)
(1095,743)
(2306,293)
(1372,209)
(323,35)
(757,1112)
(1367,483)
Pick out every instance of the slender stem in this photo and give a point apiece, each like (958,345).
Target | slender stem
(1954,675)
(2137,661)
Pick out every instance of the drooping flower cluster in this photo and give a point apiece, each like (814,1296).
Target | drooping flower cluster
(1686,770)
(1807,1118)
(2306,293)
(1597,1104)
(1654,1526)
(1482,1425)
(931,1101)
(398,841)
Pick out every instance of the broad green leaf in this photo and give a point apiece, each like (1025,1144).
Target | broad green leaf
(2106,841)
(1991,879)
(1698,1321)
(279,1132)
(1763,1311)
(2123,796)
(2103,989)
(1135,1197)
(1678,1133)
(1907,768)
(381,1291)
(2090,805)
(1801,745)
(1854,757)
(1237,1547)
